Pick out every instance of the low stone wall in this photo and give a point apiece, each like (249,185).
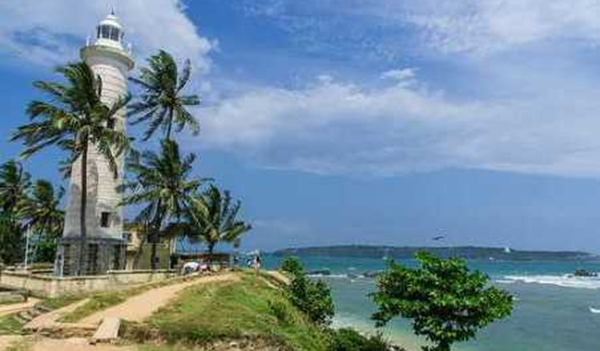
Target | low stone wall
(47,285)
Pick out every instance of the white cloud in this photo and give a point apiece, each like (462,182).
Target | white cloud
(50,32)
(346,128)
(486,26)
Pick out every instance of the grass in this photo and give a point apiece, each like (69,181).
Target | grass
(9,325)
(100,301)
(249,309)
(95,303)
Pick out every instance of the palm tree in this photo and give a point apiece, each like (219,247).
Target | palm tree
(161,182)
(162,103)
(212,218)
(14,185)
(42,214)
(75,119)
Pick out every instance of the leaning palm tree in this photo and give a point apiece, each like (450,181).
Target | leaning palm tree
(161,182)
(75,119)
(14,185)
(162,103)
(212,219)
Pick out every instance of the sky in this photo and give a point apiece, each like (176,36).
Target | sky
(362,121)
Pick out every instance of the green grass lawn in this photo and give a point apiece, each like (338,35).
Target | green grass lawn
(249,308)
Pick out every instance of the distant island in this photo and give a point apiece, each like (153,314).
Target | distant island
(467,252)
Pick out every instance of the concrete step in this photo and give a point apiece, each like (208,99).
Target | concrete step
(107,331)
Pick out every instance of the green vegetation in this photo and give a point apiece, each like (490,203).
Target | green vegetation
(9,325)
(24,205)
(212,218)
(96,303)
(246,309)
(161,182)
(292,265)
(347,339)
(446,302)
(312,298)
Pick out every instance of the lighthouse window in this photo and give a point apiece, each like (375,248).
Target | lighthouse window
(105,219)
(105,32)
(114,34)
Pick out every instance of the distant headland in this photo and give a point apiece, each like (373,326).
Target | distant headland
(406,252)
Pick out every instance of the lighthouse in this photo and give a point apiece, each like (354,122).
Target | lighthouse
(104,244)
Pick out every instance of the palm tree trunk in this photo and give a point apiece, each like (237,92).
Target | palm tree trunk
(155,234)
(170,125)
(81,270)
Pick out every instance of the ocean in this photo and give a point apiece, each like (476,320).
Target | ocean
(552,311)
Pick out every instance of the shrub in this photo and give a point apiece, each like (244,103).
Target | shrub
(446,302)
(292,265)
(313,298)
(347,339)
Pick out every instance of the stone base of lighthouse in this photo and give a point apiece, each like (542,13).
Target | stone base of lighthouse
(102,255)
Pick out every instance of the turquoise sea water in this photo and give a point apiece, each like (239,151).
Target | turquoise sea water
(551,313)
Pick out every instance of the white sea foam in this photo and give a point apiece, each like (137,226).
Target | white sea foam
(333,276)
(566,281)
(594,310)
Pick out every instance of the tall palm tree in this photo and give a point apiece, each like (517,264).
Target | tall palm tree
(75,119)
(162,103)
(161,182)
(212,218)
(14,185)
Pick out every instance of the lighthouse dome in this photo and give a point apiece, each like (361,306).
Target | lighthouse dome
(109,32)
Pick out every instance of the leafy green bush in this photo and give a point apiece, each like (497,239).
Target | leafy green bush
(347,339)
(445,300)
(313,298)
(292,265)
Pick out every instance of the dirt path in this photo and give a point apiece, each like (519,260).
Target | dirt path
(8,340)
(142,306)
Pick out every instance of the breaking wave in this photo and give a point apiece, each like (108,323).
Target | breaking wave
(565,281)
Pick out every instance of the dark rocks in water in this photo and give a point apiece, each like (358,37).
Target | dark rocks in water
(584,273)
(320,272)
(371,274)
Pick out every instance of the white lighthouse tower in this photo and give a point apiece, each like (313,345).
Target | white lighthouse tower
(104,221)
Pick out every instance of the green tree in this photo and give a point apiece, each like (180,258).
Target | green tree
(162,103)
(293,266)
(162,183)
(41,212)
(212,219)
(446,301)
(75,119)
(15,183)
(313,298)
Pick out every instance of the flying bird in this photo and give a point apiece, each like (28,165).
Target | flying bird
(438,238)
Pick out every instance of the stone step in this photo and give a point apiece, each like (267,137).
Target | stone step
(107,331)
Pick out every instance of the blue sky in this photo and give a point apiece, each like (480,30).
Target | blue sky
(371,121)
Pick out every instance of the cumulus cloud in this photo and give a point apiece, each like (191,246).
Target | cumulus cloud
(334,127)
(49,32)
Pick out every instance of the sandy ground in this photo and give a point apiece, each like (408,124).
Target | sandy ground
(142,306)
